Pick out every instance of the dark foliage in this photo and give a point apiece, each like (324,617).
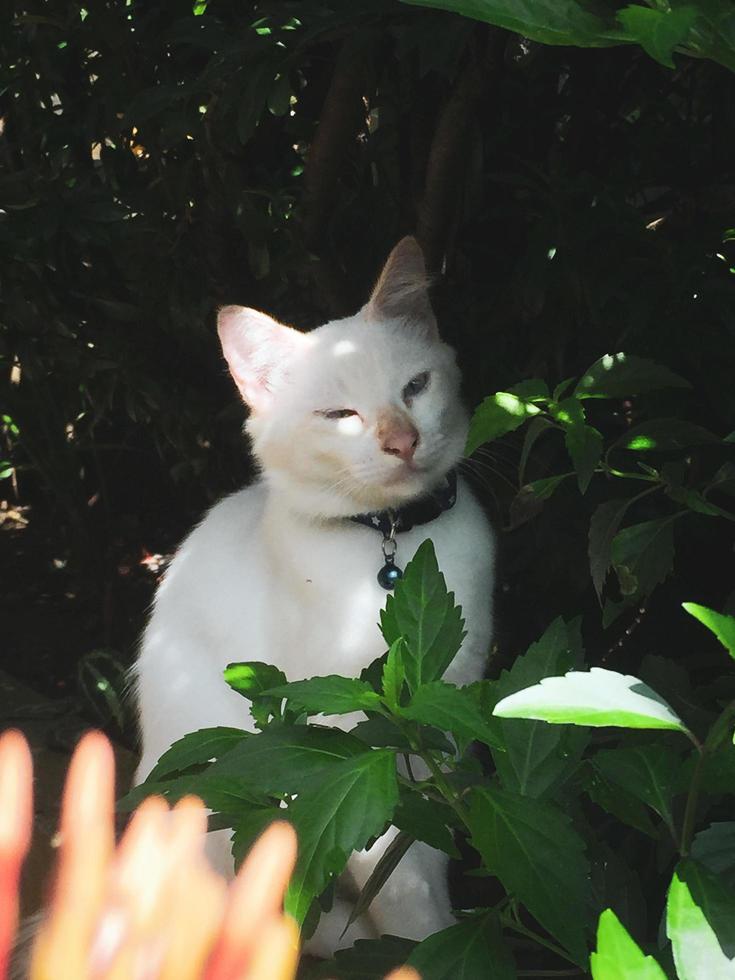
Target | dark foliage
(159,159)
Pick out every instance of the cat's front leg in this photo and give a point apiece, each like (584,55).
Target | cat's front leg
(414,902)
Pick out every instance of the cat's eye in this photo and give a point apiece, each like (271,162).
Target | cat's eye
(415,386)
(338,413)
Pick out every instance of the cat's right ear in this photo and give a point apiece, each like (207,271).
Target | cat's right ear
(257,349)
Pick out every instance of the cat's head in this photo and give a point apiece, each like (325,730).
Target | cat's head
(362,413)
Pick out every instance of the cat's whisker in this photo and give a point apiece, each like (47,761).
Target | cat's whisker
(478,465)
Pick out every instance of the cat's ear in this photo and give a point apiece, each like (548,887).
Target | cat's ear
(402,291)
(257,348)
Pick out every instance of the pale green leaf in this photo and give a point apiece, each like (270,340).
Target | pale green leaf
(721,625)
(598,698)
(700,922)
(618,956)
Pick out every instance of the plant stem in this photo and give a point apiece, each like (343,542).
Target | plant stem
(691,807)
(518,927)
(444,787)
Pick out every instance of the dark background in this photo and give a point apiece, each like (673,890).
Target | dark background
(159,160)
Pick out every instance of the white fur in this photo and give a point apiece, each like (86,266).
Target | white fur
(276,573)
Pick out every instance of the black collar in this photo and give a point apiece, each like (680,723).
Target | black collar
(421,511)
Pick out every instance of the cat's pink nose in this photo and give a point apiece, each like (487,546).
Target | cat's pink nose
(400,441)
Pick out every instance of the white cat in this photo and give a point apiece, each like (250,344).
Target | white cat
(360,415)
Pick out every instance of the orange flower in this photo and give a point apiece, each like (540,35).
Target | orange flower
(16,814)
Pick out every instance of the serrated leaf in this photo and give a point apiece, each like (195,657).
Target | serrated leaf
(538,856)
(584,445)
(196,748)
(618,375)
(394,675)
(253,678)
(664,435)
(537,755)
(329,695)
(714,848)
(531,390)
(646,552)
(648,772)
(618,956)
(604,525)
(335,816)
(422,611)
(386,865)
(368,959)
(472,949)
(286,760)
(426,820)
(700,922)
(597,698)
(721,625)
(451,709)
(624,806)
(658,32)
(535,430)
(380,732)
(222,792)
(497,415)
(546,21)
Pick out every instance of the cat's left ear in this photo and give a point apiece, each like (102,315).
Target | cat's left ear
(402,291)
(258,350)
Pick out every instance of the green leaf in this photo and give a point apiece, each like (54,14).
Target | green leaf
(597,698)
(336,815)
(368,959)
(658,31)
(536,428)
(286,760)
(619,375)
(394,675)
(422,611)
(197,748)
(546,21)
(700,922)
(472,949)
(646,553)
(330,695)
(696,501)
(714,848)
(537,756)
(623,806)
(664,435)
(648,772)
(451,709)
(426,820)
(500,413)
(721,625)
(387,864)
(618,956)
(584,445)
(253,678)
(221,792)
(603,527)
(538,856)
(533,390)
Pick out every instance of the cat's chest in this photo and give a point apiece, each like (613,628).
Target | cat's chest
(323,603)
